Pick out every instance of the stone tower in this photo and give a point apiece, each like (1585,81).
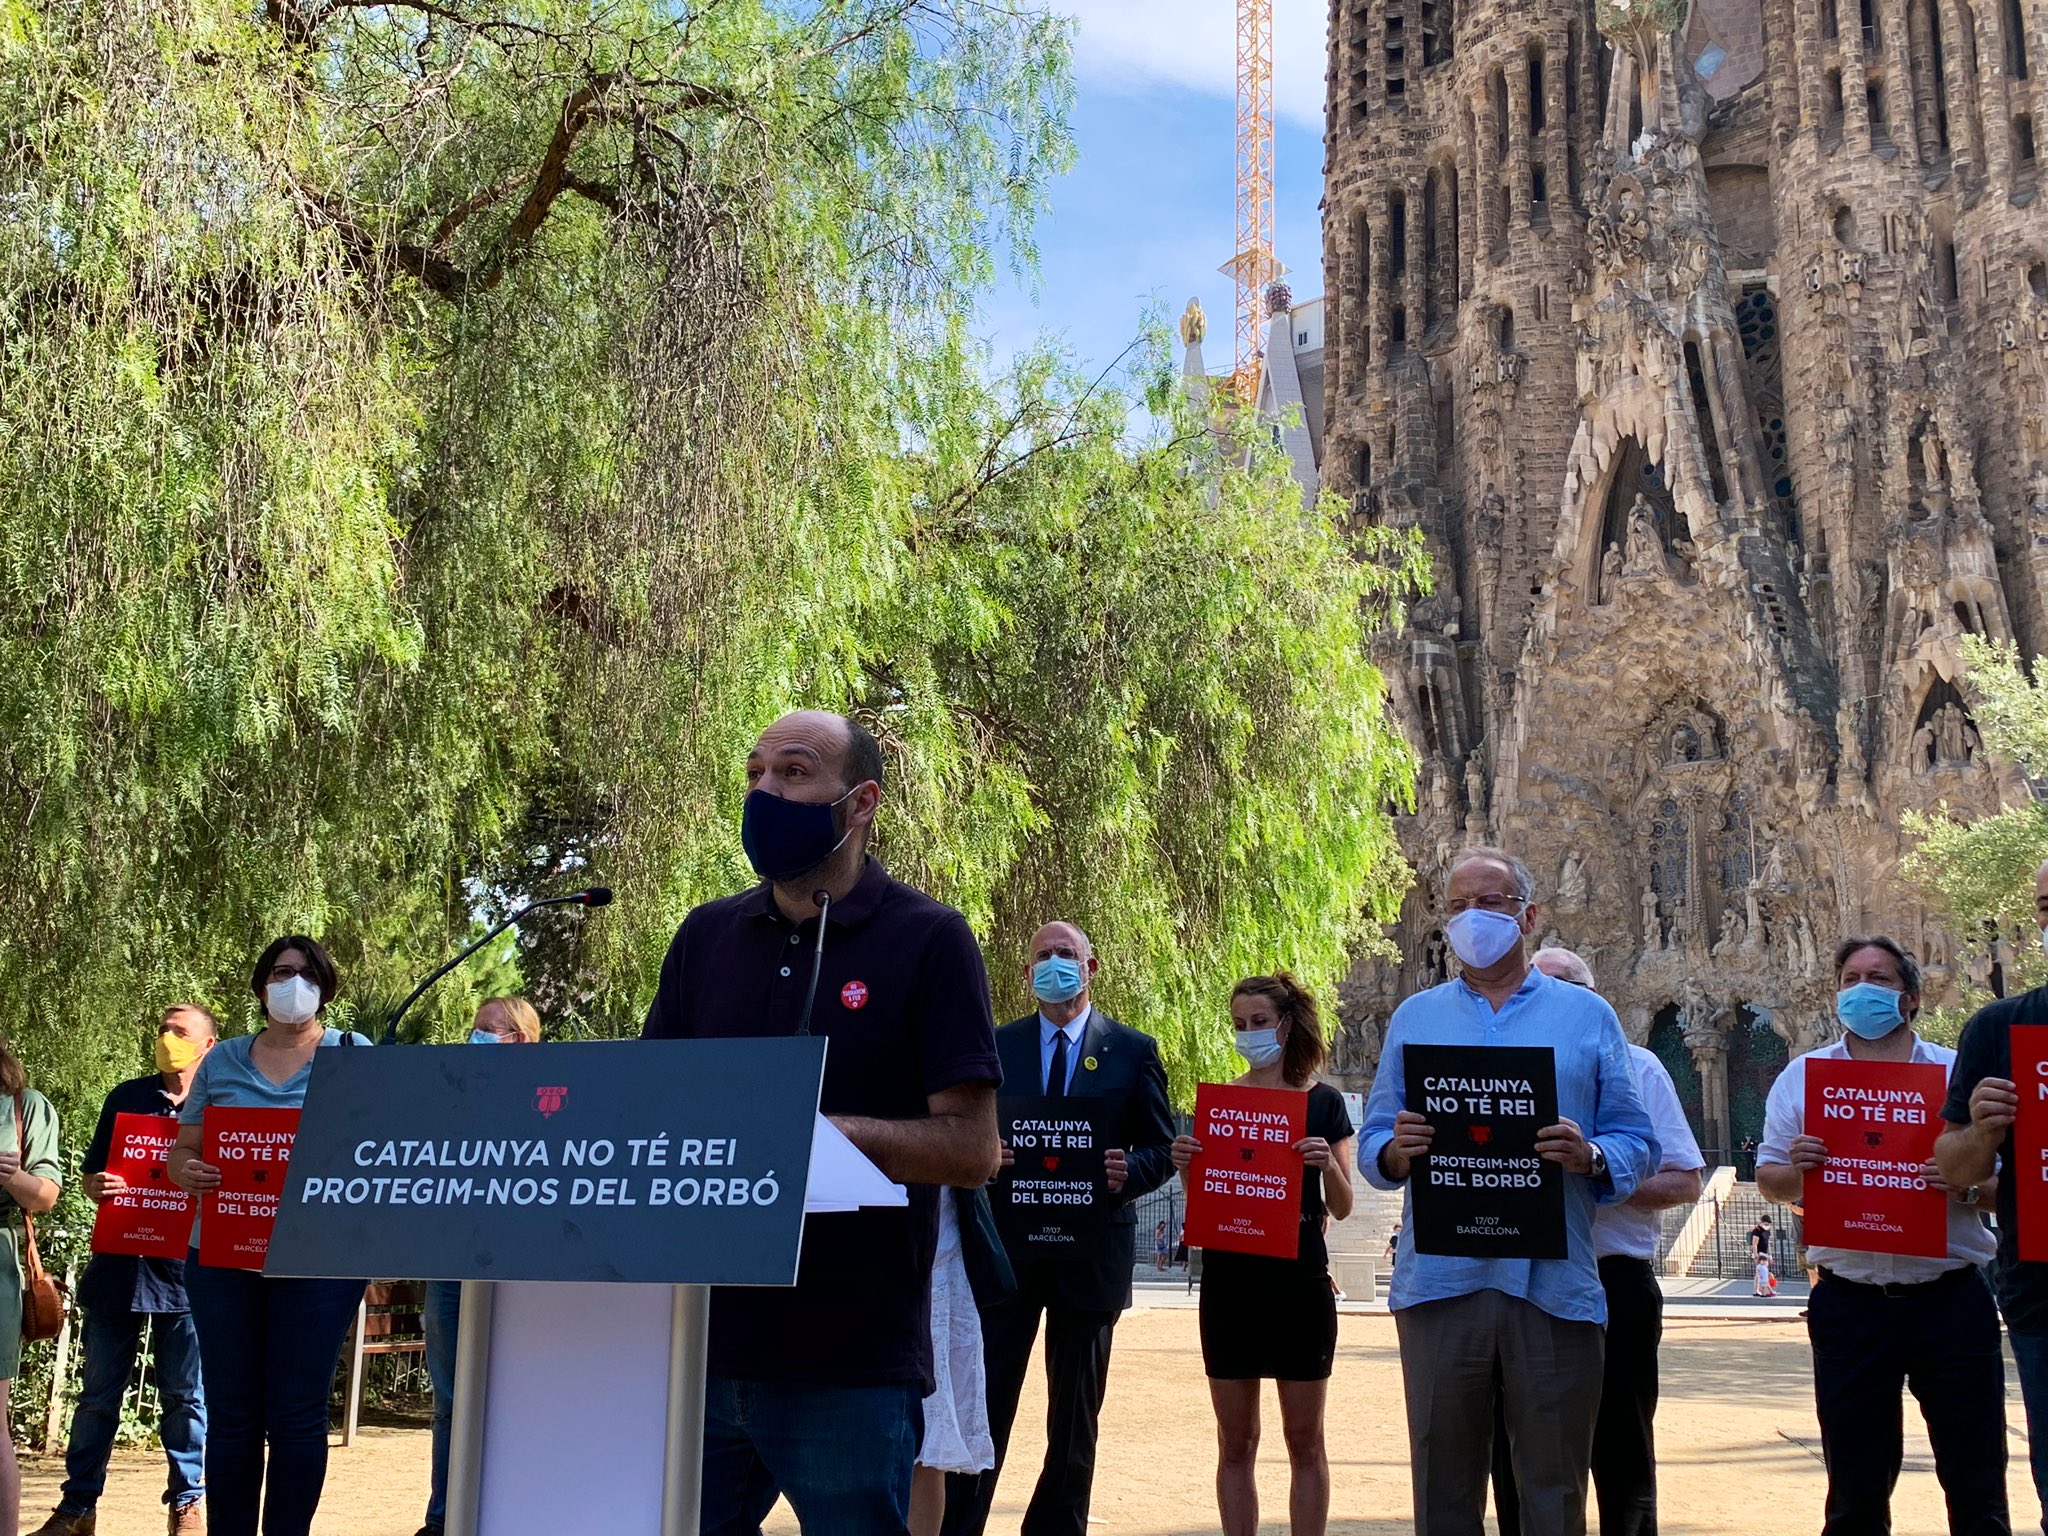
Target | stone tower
(1708,350)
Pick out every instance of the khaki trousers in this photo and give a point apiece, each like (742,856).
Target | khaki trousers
(1457,1357)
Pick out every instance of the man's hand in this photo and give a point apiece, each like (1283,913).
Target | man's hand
(1185,1150)
(1115,1169)
(10,1165)
(1809,1154)
(102,1187)
(1008,1158)
(1932,1174)
(1566,1145)
(1412,1136)
(1994,1105)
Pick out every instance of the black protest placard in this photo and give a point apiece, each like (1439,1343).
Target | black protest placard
(1482,1192)
(1053,1196)
(675,1162)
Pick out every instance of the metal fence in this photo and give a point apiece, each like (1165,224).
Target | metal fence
(1166,1204)
(1729,1255)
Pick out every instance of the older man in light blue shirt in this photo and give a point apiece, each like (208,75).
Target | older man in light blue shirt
(1526,1330)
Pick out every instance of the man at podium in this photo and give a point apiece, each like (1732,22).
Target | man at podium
(816,1392)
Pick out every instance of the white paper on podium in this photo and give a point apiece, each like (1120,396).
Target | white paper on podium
(842,1179)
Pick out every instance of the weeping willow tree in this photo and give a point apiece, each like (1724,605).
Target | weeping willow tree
(435,437)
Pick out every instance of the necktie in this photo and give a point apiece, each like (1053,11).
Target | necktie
(1056,1079)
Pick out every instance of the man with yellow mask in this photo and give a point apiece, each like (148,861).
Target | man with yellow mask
(119,1294)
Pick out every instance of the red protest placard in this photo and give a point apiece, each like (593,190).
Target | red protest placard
(1879,1120)
(251,1148)
(1244,1187)
(2029,1167)
(152,1217)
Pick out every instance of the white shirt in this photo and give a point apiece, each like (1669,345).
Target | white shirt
(1969,1240)
(1625,1229)
(1046,1031)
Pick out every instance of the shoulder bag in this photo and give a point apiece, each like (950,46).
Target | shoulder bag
(42,1295)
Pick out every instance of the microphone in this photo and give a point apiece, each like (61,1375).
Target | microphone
(591,896)
(822,900)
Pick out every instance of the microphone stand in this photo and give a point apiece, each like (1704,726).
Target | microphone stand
(578,899)
(822,899)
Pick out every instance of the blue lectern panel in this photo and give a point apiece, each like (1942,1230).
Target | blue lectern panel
(666,1161)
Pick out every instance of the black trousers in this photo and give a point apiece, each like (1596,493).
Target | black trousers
(1077,1375)
(1624,1435)
(1942,1341)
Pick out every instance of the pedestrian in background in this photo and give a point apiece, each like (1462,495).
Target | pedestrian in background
(120,1295)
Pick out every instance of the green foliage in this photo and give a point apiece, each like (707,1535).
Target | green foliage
(434,439)
(1980,871)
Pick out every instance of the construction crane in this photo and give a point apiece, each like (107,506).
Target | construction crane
(1253,267)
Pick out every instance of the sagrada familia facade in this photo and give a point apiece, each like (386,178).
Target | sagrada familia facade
(1707,348)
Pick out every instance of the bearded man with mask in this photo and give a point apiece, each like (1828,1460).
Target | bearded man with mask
(816,1392)
(1521,1334)
(1069,1048)
(1880,1322)
(120,1294)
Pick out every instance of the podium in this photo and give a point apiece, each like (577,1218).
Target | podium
(586,1196)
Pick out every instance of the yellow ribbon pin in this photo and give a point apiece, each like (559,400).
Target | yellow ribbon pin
(1088,1062)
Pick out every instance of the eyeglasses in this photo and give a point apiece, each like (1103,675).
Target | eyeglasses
(287,972)
(1492,902)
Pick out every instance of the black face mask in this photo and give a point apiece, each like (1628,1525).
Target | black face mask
(787,837)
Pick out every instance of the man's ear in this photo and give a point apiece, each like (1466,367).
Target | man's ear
(1529,917)
(1092,963)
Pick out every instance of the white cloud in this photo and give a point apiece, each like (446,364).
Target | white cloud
(1131,45)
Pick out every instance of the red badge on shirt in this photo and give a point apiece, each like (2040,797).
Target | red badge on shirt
(854,994)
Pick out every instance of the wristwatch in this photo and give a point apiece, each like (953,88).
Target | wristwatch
(1599,1168)
(1973,1194)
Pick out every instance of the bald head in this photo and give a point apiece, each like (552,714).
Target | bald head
(1565,965)
(1061,938)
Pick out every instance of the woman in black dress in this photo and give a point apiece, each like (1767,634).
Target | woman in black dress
(1265,1317)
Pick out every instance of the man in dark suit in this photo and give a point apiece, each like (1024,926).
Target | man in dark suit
(1069,1048)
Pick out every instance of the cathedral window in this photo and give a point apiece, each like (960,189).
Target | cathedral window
(2023,141)
(1828,27)
(1535,89)
(2037,280)
(2015,40)
(1397,232)
(1397,332)
(1831,110)
(1703,409)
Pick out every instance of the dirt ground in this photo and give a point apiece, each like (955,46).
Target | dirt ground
(1736,1434)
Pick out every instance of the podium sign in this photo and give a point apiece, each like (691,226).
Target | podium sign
(663,1161)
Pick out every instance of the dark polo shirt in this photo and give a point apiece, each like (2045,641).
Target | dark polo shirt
(117,1282)
(1985,1050)
(903,999)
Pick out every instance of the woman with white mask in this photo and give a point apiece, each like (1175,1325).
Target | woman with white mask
(1270,1318)
(267,1348)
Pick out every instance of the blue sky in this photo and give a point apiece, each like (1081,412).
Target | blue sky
(1149,212)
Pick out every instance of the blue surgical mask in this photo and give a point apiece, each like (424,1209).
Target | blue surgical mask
(1260,1047)
(485,1037)
(1057,979)
(1480,938)
(1869,1010)
(784,838)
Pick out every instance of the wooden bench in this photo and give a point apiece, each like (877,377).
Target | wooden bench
(390,1321)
